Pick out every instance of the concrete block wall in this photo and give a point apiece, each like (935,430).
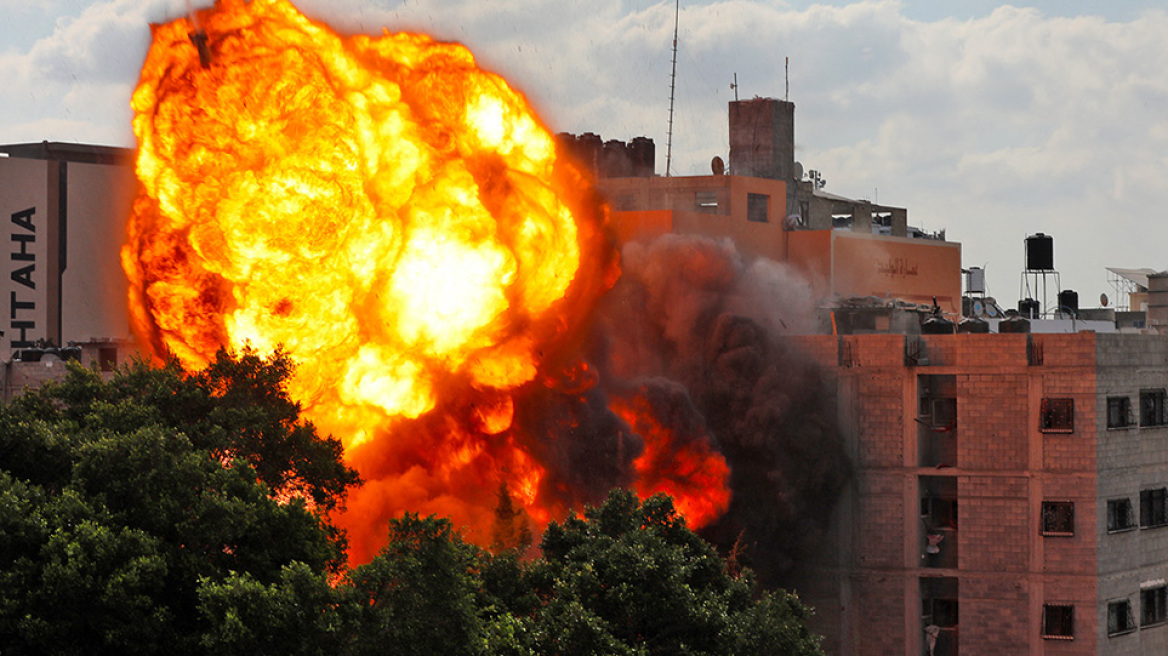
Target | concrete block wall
(17,376)
(995,614)
(880,419)
(991,416)
(994,524)
(1129,460)
(1074,590)
(881,519)
(879,624)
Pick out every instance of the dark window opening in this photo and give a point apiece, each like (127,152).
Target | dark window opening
(1119,414)
(1120,515)
(1058,416)
(1153,605)
(1058,621)
(756,207)
(939,513)
(1154,507)
(1152,407)
(107,358)
(1058,518)
(1119,618)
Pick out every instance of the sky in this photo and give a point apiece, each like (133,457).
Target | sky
(989,121)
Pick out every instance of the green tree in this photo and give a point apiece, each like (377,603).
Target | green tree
(420,595)
(120,500)
(165,512)
(631,578)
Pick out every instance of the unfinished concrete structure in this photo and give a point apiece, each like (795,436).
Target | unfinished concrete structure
(1010,495)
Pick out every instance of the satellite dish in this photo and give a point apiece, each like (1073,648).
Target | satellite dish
(1103,300)
(990,311)
(717,165)
(797,171)
(978,308)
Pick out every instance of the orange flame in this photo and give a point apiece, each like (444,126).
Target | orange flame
(688,470)
(394,216)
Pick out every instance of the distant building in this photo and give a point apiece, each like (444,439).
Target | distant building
(770,208)
(64,209)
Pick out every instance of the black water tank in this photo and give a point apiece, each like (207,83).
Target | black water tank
(1014,324)
(1069,301)
(588,147)
(642,155)
(1028,308)
(937,326)
(973,325)
(614,160)
(1040,252)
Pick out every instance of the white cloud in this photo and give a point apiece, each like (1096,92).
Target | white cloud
(993,127)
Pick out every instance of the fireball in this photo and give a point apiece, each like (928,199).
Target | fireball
(394,217)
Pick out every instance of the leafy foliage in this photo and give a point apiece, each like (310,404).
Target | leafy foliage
(187,513)
(120,499)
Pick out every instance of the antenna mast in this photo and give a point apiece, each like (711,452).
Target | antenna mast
(672,88)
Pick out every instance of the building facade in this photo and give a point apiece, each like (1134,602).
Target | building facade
(64,209)
(1010,495)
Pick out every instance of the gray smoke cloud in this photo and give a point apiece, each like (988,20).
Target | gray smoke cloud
(691,311)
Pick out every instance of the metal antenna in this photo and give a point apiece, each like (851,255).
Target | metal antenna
(787,79)
(672,89)
(735,87)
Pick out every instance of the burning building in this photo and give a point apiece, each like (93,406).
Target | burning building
(449,282)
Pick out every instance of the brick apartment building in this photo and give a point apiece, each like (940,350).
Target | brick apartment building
(1010,495)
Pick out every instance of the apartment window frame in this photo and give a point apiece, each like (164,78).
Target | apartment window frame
(1058,621)
(1153,407)
(1119,413)
(1121,516)
(1120,620)
(1154,507)
(1057,415)
(1058,518)
(1153,605)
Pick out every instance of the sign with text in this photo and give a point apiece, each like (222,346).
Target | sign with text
(24,210)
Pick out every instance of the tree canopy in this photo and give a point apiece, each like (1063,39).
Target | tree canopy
(187,513)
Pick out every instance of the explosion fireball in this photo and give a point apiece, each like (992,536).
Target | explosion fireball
(399,221)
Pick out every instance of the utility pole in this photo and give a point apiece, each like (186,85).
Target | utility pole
(672,89)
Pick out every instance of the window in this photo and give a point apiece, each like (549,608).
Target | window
(1058,518)
(1058,621)
(1153,605)
(939,513)
(1119,413)
(706,201)
(941,612)
(1154,507)
(1152,405)
(943,414)
(1119,618)
(1120,516)
(756,207)
(1057,416)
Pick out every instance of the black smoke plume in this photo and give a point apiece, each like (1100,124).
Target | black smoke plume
(691,317)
